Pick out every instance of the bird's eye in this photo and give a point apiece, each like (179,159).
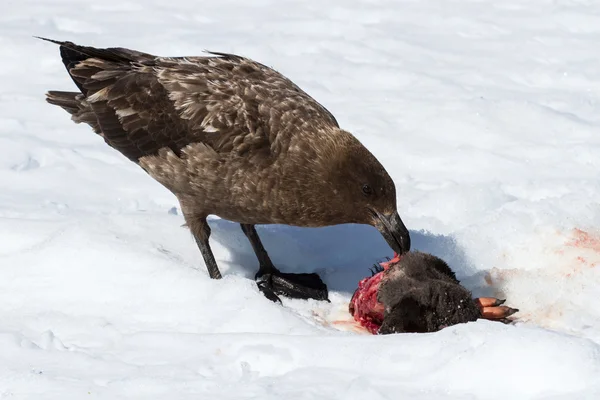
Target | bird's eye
(367,190)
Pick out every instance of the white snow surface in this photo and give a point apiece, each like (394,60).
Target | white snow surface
(485,113)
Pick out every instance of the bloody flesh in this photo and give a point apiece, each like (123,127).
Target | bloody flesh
(364,307)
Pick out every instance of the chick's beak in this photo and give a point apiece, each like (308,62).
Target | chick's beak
(394,232)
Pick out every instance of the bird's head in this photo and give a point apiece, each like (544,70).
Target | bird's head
(358,189)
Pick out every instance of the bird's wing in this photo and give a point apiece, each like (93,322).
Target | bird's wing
(144,103)
(244,102)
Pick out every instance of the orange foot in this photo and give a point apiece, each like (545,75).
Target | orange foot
(492,309)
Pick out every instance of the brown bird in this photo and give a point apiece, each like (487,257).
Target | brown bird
(231,137)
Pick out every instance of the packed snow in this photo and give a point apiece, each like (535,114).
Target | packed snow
(485,113)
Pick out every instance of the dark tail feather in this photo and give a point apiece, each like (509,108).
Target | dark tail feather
(75,104)
(66,100)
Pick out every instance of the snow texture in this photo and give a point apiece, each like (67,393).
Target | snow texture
(487,116)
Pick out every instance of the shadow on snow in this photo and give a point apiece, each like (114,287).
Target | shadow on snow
(341,254)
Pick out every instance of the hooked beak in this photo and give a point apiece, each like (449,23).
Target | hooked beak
(394,232)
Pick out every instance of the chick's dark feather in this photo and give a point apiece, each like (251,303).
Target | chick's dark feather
(421,294)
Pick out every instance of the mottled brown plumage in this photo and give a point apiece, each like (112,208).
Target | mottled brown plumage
(234,138)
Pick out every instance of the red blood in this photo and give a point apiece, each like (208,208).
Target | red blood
(364,307)
(393,261)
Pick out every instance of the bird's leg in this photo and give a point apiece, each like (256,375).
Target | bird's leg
(272,282)
(201,232)
(265,264)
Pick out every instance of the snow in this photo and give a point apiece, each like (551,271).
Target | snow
(485,113)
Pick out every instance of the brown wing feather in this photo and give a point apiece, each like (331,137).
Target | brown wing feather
(144,103)
(132,108)
(247,103)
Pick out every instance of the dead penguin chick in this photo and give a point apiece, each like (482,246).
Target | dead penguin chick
(419,292)
(231,137)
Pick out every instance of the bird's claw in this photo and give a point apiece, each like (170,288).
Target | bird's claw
(265,286)
(296,286)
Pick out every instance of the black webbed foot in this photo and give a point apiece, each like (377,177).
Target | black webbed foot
(296,286)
